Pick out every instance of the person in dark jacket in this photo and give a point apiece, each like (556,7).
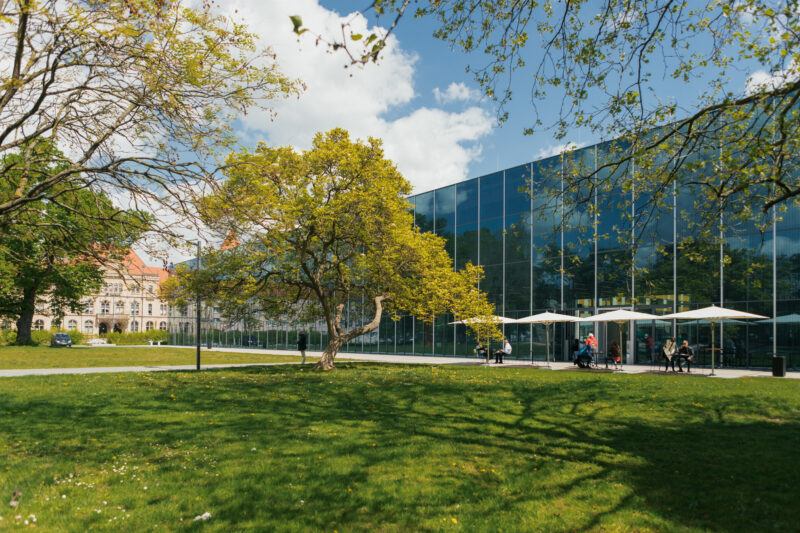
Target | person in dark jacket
(302,344)
(685,353)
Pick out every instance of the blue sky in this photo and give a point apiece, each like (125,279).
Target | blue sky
(418,98)
(434,140)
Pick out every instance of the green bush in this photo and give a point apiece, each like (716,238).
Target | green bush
(76,336)
(8,336)
(138,337)
(41,337)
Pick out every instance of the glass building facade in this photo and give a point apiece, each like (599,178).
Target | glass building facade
(535,261)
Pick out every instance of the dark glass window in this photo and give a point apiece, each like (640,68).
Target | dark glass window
(518,287)
(518,237)
(491,251)
(491,196)
(423,215)
(518,186)
(467,202)
(466,245)
(446,216)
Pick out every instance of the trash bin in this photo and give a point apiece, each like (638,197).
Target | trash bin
(779,366)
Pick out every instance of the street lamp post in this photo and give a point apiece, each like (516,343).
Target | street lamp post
(197,332)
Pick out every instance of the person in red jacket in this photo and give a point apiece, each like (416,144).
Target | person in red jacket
(591,342)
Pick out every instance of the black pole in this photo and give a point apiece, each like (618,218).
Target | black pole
(197,333)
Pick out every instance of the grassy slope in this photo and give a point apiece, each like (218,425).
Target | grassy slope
(45,357)
(400,448)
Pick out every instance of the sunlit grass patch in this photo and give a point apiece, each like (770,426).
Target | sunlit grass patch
(83,357)
(399,448)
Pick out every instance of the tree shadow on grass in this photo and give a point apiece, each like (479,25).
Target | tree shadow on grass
(371,447)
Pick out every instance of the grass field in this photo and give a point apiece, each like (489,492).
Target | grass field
(45,357)
(372,447)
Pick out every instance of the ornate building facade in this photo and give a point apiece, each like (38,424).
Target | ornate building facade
(128,302)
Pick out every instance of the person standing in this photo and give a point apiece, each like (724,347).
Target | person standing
(615,354)
(302,344)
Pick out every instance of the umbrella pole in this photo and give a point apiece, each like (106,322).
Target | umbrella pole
(712,347)
(547,340)
(621,349)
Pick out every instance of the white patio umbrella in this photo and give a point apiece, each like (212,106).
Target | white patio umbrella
(478,319)
(546,318)
(713,314)
(793,318)
(620,316)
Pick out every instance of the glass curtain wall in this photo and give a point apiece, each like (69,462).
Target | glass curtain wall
(596,255)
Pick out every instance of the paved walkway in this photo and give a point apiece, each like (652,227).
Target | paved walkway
(385,358)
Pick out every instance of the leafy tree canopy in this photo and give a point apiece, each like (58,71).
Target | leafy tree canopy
(319,230)
(55,251)
(140,94)
(603,65)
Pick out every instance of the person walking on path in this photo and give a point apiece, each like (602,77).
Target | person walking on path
(302,344)
(668,352)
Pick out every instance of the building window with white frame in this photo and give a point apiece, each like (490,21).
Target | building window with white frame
(162,326)
(148,326)
(88,307)
(88,326)
(38,325)
(134,308)
(72,325)
(120,308)
(149,309)
(134,326)
(105,307)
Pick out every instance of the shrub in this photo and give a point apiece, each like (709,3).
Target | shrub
(41,337)
(8,336)
(76,336)
(138,337)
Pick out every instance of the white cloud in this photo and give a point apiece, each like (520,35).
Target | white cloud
(556,149)
(455,92)
(762,80)
(429,146)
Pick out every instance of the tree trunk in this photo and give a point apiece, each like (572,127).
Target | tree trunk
(326,361)
(335,342)
(26,317)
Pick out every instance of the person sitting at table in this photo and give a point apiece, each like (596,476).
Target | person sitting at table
(686,353)
(614,354)
(668,353)
(506,350)
(480,350)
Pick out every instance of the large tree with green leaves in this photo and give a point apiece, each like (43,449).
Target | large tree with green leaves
(321,229)
(139,94)
(664,76)
(55,252)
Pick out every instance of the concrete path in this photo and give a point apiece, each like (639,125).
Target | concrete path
(385,358)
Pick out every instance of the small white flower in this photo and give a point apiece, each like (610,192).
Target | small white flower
(145,488)
(204,516)
(63,496)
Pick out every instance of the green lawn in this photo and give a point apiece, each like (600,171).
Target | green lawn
(45,357)
(373,447)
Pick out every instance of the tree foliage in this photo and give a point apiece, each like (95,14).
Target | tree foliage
(55,252)
(323,229)
(138,94)
(602,66)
